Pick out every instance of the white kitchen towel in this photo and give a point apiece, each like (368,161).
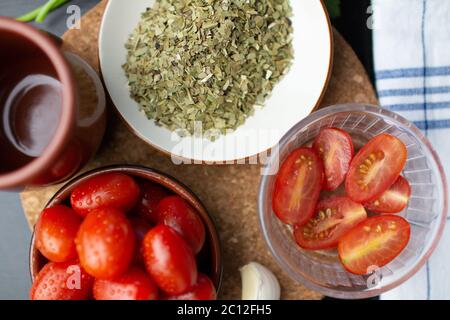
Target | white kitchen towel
(412,68)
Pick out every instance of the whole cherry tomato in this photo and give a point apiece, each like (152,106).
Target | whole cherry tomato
(169,260)
(62,281)
(151,195)
(202,290)
(55,233)
(69,162)
(115,190)
(105,243)
(176,213)
(132,285)
(140,227)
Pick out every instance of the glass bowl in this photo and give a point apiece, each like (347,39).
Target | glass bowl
(426,211)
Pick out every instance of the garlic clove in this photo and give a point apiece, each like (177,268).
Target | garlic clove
(259,283)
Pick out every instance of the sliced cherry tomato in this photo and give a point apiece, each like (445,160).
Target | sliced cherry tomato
(334,217)
(105,243)
(115,190)
(335,148)
(373,243)
(297,186)
(55,233)
(151,195)
(62,281)
(375,168)
(394,200)
(140,227)
(202,290)
(132,285)
(176,213)
(169,260)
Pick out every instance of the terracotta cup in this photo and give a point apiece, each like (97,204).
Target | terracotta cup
(65,130)
(209,259)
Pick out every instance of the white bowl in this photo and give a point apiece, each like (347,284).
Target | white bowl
(293,98)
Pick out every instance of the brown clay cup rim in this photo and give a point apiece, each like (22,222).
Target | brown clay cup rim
(155,176)
(49,47)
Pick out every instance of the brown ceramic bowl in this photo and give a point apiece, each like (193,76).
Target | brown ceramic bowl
(82,120)
(209,259)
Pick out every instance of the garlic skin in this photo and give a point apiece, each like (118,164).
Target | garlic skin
(259,283)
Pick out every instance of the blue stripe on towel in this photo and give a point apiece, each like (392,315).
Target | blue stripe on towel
(433,124)
(413,91)
(412,72)
(418,106)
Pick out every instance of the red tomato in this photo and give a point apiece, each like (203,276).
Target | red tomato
(375,168)
(140,227)
(394,200)
(297,186)
(68,162)
(105,243)
(151,195)
(335,148)
(132,285)
(373,243)
(114,190)
(62,281)
(169,260)
(202,290)
(55,233)
(334,217)
(176,213)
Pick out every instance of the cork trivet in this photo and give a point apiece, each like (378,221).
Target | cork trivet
(228,192)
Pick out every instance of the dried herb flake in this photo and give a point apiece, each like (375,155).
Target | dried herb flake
(208,61)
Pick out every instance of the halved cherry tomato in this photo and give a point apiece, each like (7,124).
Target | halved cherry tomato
(297,186)
(394,200)
(335,147)
(202,290)
(334,217)
(176,213)
(62,281)
(115,190)
(373,243)
(55,233)
(132,285)
(105,243)
(151,195)
(169,260)
(375,168)
(141,228)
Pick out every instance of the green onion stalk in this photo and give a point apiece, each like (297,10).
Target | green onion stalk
(40,13)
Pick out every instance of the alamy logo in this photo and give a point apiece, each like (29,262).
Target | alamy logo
(73,281)
(74,17)
(374,278)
